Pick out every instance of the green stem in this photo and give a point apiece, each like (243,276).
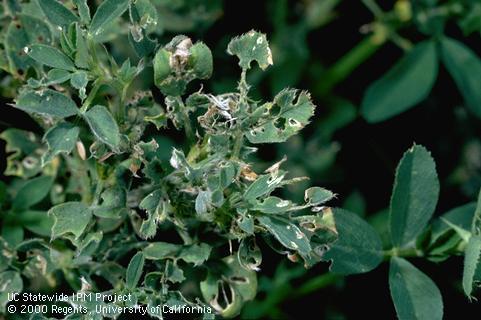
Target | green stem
(374,8)
(238,142)
(402,252)
(342,68)
(315,284)
(189,131)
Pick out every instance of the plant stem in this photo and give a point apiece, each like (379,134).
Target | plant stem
(374,8)
(350,61)
(402,252)
(315,284)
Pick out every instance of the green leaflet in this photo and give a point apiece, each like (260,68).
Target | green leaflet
(405,85)
(22,33)
(83,10)
(10,281)
(287,233)
(464,66)
(70,217)
(272,205)
(50,56)
(414,294)
(32,192)
(106,13)
(56,13)
(46,102)
(414,197)
(60,139)
(103,125)
(358,248)
(251,46)
(134,270)
(263,185)
(196,253)
(283,118)
(315,196)
(471,271)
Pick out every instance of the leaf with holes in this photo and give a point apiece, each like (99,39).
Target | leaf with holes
(251,46)
(282,118)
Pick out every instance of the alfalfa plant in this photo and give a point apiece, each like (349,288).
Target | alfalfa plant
(101,206)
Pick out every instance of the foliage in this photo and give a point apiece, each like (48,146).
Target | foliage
(102,201)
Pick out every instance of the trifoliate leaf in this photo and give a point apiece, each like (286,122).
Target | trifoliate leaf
(282,118)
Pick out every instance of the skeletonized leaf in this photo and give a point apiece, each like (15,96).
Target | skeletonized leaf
(251,46)
(287,233)
(50,56)
(464,66)
(134,270)
(56,13)
(414,196)
(47,102)
(195,253)
(103,125)
(60,139)
(70,217)
(32,192)
(106,13)
(414,294)
(405,85)
(358,248)
(315,196)
(284,117)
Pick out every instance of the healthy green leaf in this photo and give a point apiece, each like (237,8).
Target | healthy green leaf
(358,248)
(414,197)
(56,13)
(414,294)
(471,271)
(251,46)
(464,66)
(70,217)
(50,56)
(60,139)
(134,270)
(47,102)
(404,86)
(285,117)
(103,125)
(106,13)
(32,192)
